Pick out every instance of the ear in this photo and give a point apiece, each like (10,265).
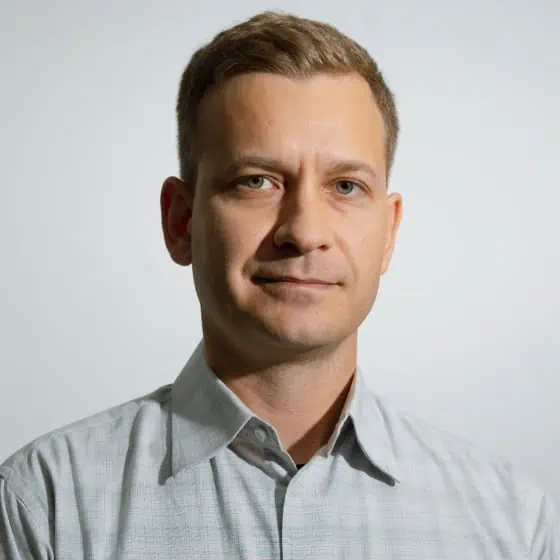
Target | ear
(176,202)
(394,215)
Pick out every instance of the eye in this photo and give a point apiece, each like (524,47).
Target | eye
(345,187)
(254,182)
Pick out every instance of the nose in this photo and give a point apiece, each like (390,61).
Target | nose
(303,222)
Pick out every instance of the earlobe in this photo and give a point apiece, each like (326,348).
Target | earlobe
(180,250)
(181,254)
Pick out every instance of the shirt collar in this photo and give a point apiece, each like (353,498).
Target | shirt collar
(207,416)
(374,426)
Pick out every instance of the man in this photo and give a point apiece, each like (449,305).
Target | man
(269,444)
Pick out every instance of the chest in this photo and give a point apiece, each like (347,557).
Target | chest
(244,513)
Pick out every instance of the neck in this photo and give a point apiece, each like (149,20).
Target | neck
(302,397)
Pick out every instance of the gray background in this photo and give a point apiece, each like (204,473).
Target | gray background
(466,329)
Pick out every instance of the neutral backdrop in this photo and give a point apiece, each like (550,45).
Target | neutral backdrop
(466,329)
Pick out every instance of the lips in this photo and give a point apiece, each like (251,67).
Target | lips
(291,279)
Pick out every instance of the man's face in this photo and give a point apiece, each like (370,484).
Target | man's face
(291,189)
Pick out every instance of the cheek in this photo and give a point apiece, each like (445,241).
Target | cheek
(363,251)
(364,256)
(235,237)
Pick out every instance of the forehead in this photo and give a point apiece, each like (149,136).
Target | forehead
(326,116)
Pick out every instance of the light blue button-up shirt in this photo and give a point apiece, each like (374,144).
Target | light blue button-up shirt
(189,472)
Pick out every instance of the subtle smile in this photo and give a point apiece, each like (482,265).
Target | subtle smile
(293,282)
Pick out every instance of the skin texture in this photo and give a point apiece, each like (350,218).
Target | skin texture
(291,183)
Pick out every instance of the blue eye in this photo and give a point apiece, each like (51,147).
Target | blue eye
(348,187)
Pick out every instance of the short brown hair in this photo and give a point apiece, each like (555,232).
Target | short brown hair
(282,44)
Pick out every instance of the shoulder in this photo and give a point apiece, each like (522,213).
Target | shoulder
(432,459)
(430,449)
(104,437)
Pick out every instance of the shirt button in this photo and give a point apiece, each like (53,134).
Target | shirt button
(261,434)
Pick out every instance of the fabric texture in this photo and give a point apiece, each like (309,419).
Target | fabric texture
(189,472)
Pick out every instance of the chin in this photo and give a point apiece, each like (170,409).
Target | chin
(301,334)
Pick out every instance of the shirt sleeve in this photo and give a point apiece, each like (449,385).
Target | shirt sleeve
(21,535)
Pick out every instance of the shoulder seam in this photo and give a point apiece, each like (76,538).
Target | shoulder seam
(10,488)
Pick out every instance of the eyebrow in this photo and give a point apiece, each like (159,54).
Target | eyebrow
(274,164)
(352,165)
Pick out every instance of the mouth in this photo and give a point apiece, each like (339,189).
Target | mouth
(290,280)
